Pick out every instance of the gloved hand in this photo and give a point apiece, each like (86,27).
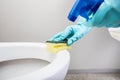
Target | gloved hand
(71,33)
(107,15)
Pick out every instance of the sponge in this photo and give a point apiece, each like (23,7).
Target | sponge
(56,47)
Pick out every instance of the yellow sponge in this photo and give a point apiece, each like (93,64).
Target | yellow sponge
(56,47)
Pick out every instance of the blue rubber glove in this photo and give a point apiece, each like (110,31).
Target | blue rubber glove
(107,15)
(71,33)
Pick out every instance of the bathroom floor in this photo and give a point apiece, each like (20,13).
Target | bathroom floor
(85,76)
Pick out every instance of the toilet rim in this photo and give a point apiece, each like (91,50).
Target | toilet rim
(57,61)
(24,50)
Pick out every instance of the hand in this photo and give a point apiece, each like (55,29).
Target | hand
(71,33)
(108,15)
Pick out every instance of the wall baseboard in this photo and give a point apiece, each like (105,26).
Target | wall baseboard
(94,71)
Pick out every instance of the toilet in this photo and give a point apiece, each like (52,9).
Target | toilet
(31,61)
(115,33)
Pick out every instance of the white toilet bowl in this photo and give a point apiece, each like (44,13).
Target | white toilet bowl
(55,68)
(115,33)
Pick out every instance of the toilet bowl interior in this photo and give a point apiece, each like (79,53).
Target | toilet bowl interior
(19,67)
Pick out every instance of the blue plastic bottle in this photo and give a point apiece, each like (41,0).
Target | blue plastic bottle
(84,8)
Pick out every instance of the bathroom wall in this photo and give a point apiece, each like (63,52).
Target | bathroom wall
(38,20)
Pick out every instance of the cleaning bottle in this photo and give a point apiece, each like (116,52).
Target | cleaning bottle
(84,8)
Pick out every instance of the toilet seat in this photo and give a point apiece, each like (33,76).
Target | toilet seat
(21,50)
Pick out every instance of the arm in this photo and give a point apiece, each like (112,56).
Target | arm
(107,15)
